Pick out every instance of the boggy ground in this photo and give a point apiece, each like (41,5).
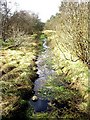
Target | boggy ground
(67,90)
(17,74)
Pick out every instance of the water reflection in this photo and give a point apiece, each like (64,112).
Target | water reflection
(40,105)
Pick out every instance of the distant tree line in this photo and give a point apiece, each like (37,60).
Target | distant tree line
(71,25)
(19,22)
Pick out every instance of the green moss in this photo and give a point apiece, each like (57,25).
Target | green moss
(42,36)
(23,102)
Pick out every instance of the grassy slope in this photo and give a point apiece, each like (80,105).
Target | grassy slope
(17,72)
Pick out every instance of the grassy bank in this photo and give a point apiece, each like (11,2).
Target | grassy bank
(69,87)
(18,72)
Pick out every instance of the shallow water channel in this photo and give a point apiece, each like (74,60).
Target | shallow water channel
(44,71)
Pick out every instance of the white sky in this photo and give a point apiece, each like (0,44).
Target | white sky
(44,8)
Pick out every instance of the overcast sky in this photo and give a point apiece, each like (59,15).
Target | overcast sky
(44,8)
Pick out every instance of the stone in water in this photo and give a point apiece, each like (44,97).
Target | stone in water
(34,98)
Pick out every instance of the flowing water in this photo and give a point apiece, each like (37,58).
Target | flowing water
(44,70)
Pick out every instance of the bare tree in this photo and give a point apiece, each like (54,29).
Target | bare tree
(25,22)
(71,25)
(5,13)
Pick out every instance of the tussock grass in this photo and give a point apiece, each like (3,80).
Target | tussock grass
(17,71)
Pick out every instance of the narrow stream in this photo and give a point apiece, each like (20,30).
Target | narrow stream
(44,70)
